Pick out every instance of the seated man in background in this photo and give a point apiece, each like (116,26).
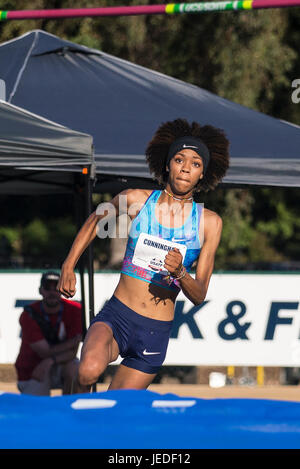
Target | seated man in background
(51,333)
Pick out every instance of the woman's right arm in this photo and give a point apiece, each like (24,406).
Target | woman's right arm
(87,234)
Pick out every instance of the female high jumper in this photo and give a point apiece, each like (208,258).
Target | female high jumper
(169,234)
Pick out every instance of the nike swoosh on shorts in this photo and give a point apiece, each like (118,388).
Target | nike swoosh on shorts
(150,353)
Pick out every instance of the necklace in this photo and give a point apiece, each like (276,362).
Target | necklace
(177,198)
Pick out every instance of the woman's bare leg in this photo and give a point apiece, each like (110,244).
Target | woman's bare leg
(98,350)
(129,378)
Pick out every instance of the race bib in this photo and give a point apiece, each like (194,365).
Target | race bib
(150,252)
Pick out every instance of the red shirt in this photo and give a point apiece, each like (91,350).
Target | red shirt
(71,323)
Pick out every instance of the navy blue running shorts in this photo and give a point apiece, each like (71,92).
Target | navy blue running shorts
(142,341)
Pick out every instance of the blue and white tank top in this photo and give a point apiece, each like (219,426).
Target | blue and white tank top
(149,242)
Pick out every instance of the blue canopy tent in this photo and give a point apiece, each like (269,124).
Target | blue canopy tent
(38,155)
(121,104)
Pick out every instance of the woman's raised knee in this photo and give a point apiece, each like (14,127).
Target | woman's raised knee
(90,370)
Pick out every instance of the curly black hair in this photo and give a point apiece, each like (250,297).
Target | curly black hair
(214,138)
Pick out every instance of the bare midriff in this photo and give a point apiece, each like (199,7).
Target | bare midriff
(146,298)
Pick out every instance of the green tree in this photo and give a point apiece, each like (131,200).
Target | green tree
(35,238)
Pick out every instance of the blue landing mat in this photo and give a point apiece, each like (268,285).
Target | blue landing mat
(142,419)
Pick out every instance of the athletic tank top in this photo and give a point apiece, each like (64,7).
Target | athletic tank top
(149,242)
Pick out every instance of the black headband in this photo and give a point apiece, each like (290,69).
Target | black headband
(191,143)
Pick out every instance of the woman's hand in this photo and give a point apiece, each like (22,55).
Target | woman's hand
(173,262)
(67,282)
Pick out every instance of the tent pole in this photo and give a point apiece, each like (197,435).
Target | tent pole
(79,218)
(81,273)
(90,264)
(90,253)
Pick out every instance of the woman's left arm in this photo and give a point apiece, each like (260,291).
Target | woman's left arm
(195,289)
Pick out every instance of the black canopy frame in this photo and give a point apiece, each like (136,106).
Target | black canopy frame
(23,134)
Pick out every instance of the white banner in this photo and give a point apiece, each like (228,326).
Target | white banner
(246,319)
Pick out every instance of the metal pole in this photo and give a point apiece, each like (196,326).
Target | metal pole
(90,251)
(79,217)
